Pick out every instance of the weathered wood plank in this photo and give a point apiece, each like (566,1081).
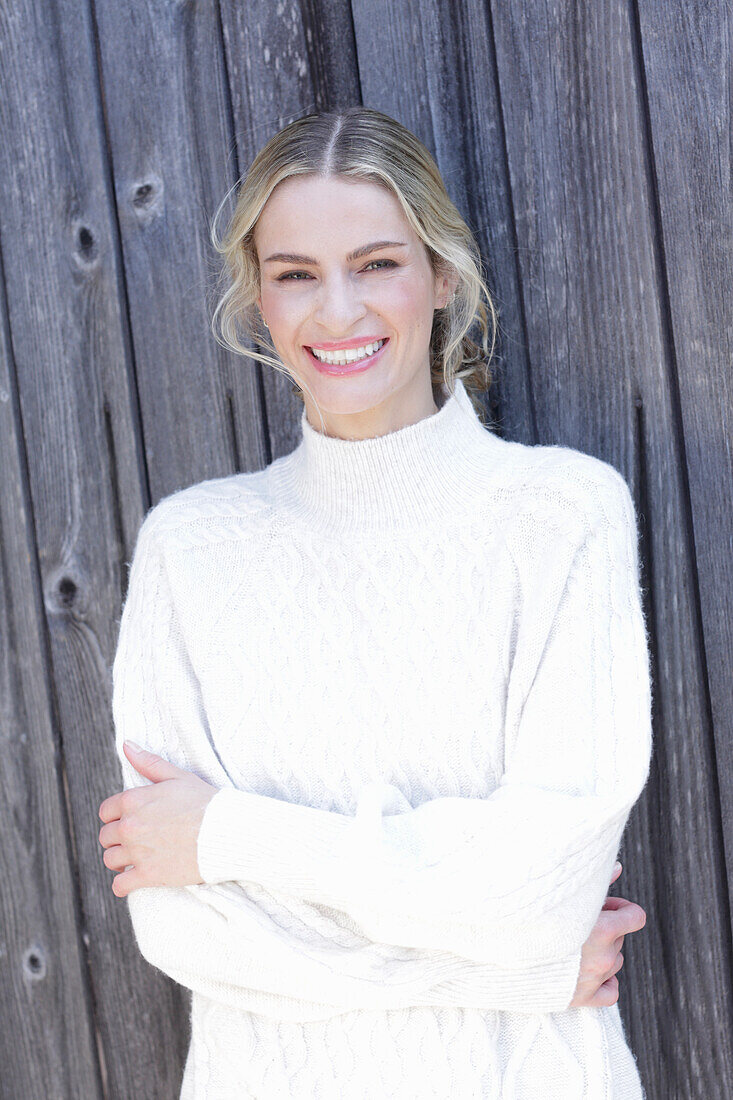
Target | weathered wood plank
(170,149)
(47,1036)
(44,979)
(687,60)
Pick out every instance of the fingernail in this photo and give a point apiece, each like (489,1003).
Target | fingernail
(617,866)
(133,746)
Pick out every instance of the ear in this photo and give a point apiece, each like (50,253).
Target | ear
(258,303)
(446,281)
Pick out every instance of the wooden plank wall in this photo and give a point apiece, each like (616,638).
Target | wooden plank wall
(589,148)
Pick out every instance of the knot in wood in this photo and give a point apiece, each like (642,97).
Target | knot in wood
(34,963)
(63,592)
(145,194)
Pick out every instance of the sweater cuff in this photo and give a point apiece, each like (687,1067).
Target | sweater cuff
(279,845)
(544,987)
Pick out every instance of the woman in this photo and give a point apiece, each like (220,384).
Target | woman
(393,689)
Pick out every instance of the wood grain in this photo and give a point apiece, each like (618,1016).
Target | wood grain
(588,149)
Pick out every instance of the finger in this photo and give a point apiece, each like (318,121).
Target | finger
(150,764)
(617,869)
(110,834)
(111,808)
(607,994)
(618,963)
(618,917)
(628,917)
(612,902)
(116,858)
(124,884)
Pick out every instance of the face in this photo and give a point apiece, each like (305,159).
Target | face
(317,293)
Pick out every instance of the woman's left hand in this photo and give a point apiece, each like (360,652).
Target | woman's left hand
(153,830)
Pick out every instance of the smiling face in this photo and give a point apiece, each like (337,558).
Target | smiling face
(321,290)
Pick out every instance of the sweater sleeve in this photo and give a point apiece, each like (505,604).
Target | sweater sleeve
(238,942)
(518,878)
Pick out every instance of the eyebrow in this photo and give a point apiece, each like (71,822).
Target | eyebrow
(293,258)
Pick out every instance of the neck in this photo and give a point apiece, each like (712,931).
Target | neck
(412,402)
(415,476)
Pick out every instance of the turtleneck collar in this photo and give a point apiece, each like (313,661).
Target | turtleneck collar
(410,477)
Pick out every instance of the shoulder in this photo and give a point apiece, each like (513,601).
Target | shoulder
(566,513)
(207,511)
(555,500)
(562,485)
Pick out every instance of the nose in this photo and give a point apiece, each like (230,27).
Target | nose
(338,305)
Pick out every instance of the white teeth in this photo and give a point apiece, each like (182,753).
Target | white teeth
(342,357)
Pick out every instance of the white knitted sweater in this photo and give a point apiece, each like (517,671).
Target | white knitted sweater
(417,666)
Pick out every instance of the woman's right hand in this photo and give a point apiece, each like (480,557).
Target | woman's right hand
(601,957)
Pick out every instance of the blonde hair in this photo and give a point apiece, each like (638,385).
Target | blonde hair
(364,144)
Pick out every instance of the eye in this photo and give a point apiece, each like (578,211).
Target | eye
(292,275)
(389,263)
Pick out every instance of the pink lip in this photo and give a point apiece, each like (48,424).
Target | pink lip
(355,342)
(350,368)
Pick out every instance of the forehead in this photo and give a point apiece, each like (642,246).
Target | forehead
(329,214)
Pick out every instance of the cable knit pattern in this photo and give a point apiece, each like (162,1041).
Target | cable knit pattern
(417,667)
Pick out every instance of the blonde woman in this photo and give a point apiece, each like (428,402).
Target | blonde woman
(392,692)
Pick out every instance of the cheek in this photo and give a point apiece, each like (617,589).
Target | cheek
(283,311)
(407,303)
